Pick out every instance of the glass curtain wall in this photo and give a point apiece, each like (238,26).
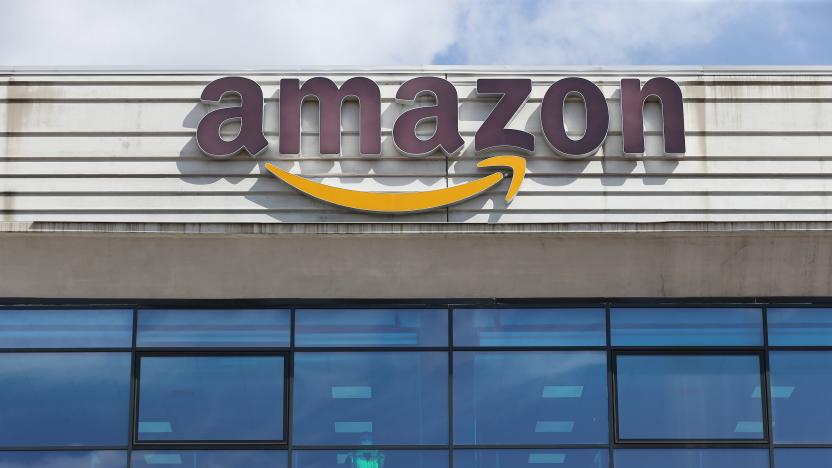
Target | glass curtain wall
(430,387)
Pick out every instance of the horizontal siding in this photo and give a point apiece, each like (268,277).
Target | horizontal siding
(159,118)
(120,148)
(23,91)
(420,170)
(132,146)
(654,186)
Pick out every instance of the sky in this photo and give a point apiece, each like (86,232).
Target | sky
(215,34)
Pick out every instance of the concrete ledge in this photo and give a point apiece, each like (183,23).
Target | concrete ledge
(463,265)
(306,229)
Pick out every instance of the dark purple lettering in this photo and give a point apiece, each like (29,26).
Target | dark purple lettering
(633,97)
(597,117)
(330,99)
(493,132)
(445,112)
(249,113)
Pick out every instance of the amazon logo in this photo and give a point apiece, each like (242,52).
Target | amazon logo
(511,95)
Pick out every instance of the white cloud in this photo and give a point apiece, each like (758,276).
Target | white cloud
(264,33)
(590,32)
(191,33)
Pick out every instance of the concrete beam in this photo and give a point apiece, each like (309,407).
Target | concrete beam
(547,265)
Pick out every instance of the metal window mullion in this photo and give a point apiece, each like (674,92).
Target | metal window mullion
(289,389)
(765,391)
(134,383)
(450,387)
(612,419)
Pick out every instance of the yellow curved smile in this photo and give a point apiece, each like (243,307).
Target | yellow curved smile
(375,202)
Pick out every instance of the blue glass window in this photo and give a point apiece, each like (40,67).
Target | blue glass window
(802,458)
(213,328)
(209,459)
(96,328)
(686,327)
(64,459)
(561,458)
(800,386)
(529,327)
(192,398)
(369,398)
(371,327)
(692,458)
(541,397)
(369,458)
(689,397)
(64,399)
(800,327)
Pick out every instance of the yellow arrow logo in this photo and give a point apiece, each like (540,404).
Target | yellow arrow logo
(375,202)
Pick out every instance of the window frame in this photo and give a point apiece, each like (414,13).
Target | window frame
(73,449)
(788,350)
(764,449)
(602,307)
(107,305)
(169,450)
(137,348)
(693,306)
(762,359)
(543,350)
(351,306)
(91,448)
(800,347)
(378,350)
(137,445)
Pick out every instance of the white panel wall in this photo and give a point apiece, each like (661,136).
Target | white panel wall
(120,148)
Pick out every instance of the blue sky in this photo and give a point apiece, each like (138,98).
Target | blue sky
(280,33)
(754,38)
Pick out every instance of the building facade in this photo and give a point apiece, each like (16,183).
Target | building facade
(440,267)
